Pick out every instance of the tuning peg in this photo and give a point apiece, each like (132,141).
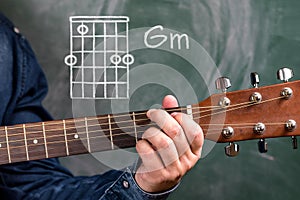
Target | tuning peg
(285,74)
(223,83)
(262,146)
(232,149)
(294,142)
(254,79)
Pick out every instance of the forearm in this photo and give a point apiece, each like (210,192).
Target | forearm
(47,179)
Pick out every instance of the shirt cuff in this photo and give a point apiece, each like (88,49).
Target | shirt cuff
(125,187)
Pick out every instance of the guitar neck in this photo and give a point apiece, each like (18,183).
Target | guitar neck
(277,113)
(59,138)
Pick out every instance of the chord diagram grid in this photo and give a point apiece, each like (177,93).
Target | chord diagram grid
(99,57)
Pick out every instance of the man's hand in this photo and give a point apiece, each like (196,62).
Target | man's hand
(168,154)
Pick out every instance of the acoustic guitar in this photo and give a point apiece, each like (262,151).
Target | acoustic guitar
(256,113)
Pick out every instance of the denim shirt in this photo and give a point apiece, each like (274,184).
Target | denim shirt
(22,89)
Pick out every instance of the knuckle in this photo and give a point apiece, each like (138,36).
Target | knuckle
(188,162)
(150,129)
(175,130)
(165,143)
(180,117)
(188,166)
(176,175)
(197,135)
(150,132)
(173,175)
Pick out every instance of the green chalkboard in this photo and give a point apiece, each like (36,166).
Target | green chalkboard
(240,37)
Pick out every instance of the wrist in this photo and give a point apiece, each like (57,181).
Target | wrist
(145,183)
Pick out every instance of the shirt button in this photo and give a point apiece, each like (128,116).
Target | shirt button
(16,30)
(125,184)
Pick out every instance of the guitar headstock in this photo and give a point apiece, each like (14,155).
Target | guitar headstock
(256,113)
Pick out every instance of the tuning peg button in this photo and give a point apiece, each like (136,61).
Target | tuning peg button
(259,128)
(227,132)
(223,83)
(291,125)
(262,146)
(285,74)
(294,142)
(232,149)
(254,79)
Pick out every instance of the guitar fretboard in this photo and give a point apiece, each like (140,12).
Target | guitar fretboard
(33,141)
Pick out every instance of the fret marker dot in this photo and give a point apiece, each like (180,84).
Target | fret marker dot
(76,136)
(35,141)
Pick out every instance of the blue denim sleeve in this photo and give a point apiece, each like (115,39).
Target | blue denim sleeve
(22,89)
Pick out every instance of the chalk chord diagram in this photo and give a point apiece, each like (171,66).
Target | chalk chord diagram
(99,57)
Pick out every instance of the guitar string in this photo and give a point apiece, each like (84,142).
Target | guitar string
(59,122)
(102,124)
(80,140)
(54,142)
(70,140)
(243,125)
(246,125)
(116,123)
(244,106)
(117,116)
(131,132)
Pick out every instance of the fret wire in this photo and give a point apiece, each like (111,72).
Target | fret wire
(25,141)
(119,134)
(45,140)
(87,134)
(68,121)
(83,132)
(78,127)
(56,122)
(140,114)
(66,139)
(67,128)
(141,126)
(31,125)
(7,144)
(128,133)
(134,124)
(30,145)
(34,151)
(6,131)
(117,140)
(89,131)
(54,142)
(57,142)
(110,132)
